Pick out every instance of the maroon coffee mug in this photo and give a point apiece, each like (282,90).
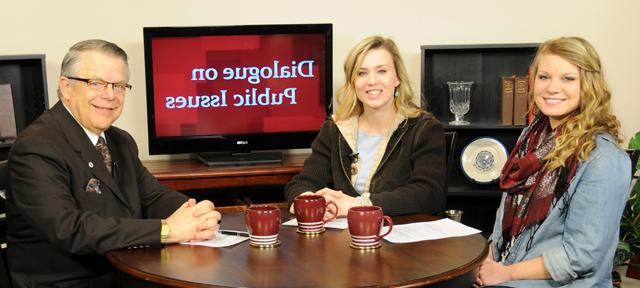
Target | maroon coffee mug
(263,224)
(309,210)
(365,223)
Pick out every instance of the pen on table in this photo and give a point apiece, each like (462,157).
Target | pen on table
(234,233)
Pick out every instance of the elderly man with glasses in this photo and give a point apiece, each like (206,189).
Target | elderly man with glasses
(78,188)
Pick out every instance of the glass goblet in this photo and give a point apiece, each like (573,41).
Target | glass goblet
(459,100)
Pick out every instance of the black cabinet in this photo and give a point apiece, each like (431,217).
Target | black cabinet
(484,65)
(27,78)
(478,201)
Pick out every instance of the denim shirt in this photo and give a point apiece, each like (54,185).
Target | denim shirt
(578,247)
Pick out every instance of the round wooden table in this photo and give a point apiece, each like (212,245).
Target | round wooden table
(325,260)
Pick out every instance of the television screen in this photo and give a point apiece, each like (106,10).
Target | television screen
(236,88)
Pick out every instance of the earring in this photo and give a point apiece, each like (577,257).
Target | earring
(395,92)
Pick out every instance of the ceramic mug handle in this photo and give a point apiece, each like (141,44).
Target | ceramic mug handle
(390,223)
(334,214)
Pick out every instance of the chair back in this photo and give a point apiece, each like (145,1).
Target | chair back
(4,175)
(5,277)
(4,268)
(4,182)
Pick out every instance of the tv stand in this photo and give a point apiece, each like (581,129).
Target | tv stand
(189,174)
(212,159)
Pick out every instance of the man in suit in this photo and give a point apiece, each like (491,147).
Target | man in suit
(70,201)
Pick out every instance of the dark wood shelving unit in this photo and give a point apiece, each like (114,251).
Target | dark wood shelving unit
(484,65)
(28,79)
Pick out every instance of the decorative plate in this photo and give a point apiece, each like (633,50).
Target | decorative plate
(482,160)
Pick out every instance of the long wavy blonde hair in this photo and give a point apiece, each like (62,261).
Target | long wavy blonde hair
(593,115)
(346,98)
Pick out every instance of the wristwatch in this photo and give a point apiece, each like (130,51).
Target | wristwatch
(164,231)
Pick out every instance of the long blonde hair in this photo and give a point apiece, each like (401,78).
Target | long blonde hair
(346,98)
(593,115)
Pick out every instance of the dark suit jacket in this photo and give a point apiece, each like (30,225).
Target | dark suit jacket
(58,229)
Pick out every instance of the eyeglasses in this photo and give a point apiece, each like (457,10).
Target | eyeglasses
(101,85)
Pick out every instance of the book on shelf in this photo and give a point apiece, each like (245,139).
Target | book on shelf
(508,83)
(7,114)
(520,100)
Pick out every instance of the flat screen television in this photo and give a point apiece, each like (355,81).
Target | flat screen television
(234,94)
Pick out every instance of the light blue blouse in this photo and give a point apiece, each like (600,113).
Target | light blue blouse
(578,247)
(366,145)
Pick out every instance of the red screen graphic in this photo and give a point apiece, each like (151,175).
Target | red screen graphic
(232,85)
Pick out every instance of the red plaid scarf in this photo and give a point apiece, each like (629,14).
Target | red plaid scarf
(524,176)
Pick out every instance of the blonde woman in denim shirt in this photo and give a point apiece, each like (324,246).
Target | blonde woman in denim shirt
(566,181)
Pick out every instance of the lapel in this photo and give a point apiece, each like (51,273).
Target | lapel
(79,142)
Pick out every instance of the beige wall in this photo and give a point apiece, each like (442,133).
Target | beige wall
(50,27)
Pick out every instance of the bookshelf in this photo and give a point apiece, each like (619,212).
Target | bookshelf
(484,65)
(27,76)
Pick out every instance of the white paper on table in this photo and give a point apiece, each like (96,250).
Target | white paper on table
(420,231)
(338,223)
(220,240)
